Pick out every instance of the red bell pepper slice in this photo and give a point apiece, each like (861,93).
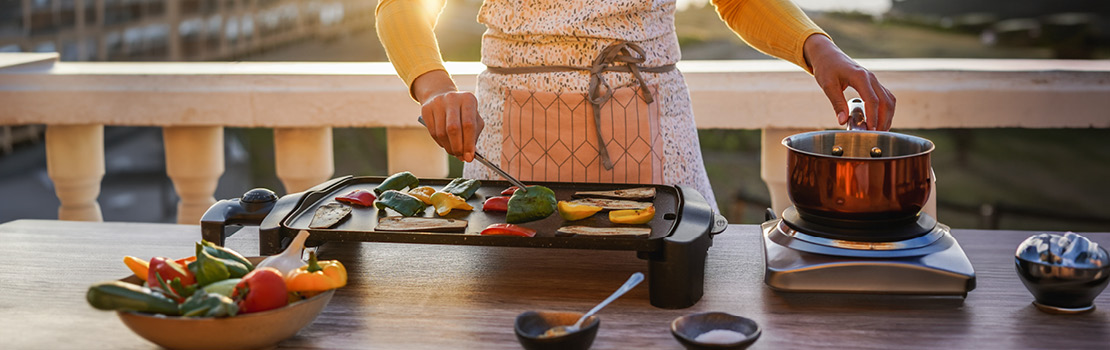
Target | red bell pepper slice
(260,290)
(358,197)
(168,270)
(496,204)
(509,191)
(508,230)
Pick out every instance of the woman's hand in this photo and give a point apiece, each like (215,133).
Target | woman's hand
(451,116)
(835,72)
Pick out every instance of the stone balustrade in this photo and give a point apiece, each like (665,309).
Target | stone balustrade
(301,102)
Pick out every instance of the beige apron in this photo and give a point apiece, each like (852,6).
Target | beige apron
(550,62)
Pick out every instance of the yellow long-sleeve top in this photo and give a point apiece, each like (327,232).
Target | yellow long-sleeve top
(405,27)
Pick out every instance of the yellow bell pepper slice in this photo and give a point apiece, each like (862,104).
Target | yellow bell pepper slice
(424,193)
(570,211)
(445,202)
(137,266)
(317,276)
(632,216)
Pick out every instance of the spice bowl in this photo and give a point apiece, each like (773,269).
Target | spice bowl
(531,325)
(257,330)
(715,330)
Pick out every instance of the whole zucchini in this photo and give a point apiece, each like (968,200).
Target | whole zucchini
(401,202)
(123,296)
(397,181)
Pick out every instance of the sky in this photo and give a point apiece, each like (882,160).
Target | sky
(867,6)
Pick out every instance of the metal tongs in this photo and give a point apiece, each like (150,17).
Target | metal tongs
(477,156)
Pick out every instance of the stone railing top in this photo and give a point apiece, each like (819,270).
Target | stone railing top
(932,93)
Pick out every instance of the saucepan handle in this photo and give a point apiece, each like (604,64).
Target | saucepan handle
(857,120)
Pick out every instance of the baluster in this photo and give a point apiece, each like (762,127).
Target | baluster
(75,162)
(194,161)
(304,157)
(412,149)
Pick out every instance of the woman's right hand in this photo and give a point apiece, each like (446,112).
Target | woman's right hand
(451,116)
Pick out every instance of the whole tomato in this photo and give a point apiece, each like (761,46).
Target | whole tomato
(260,290)
(169,270)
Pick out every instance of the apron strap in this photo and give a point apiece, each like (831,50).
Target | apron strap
(630,54)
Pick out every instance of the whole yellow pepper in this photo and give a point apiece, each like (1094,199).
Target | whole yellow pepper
(317,276)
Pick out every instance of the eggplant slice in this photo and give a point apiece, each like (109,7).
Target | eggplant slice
(605,231)
(638,193)
(329,215)
(420,224)
(612,204)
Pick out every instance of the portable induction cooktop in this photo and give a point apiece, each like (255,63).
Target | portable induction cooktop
(917,256)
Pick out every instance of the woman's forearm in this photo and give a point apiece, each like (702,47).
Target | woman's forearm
(406,30)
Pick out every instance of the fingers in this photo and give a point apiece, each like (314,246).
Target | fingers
(835,92)
(453,122)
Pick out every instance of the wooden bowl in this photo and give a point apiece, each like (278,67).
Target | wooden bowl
(246,331)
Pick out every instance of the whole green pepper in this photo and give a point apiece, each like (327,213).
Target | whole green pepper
(538,203)
(463,187)
(237,265)
(401,202)
(123,296)
(397,181)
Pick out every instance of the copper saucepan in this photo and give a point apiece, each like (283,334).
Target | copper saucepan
(858,175)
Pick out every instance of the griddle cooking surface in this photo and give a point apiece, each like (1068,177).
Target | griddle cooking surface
(359,226)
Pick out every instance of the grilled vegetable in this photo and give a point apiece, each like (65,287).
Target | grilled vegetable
(317,276)
(462,187)
(329,215)
(444,202)
(496,204)
(358,197)
(632,216)
(571,212)
(401,202)
(123,296)
(509,191)
(612,204)
(628,193)
(604,231)
(535,204)
(508,230)
(419,224)
(424,193)
(262,289)
(398,181)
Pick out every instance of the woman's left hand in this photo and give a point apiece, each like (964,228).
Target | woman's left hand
(835,72)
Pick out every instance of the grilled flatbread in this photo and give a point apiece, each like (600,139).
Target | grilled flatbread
(329,215)
(638,193)
(606,231)
(420,224)
(612,204)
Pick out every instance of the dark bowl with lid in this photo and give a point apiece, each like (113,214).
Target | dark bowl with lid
(1059,288)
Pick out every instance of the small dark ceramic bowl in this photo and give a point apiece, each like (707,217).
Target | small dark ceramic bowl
(1062,289)
(689,327)
(531,325)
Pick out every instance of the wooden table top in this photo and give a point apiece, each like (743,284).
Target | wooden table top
(411,296)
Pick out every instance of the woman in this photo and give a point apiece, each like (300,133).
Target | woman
(558,69)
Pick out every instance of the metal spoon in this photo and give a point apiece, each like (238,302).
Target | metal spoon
(562,330)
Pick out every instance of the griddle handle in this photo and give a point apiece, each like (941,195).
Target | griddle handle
(250,209)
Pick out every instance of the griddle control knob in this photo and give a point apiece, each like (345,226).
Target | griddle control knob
(257,198)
